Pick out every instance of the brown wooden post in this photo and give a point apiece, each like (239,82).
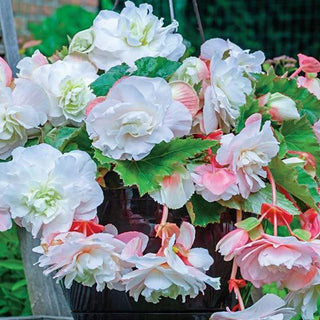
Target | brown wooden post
(46,296)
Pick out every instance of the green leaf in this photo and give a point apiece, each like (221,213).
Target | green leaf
(11,264)
(159,163)
(296,181)
(102,85)
(255,200)
(19,284)
(301,234)
(264,82)
(299,136)
(32,142)
(155,67)
(251,107)
(203,212)
(102,160)
(248,224)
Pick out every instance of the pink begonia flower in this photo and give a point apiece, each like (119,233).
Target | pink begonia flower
(247,153)
(310,221)
(269,307)
(179,270)
(28,65)
(193,70)
(214,183)
(284,260)
(316,130)
(305,300)
(175,190)
(232,241)
(312,84)
(184,93)
(5,73)
(51,189)
(138,113)
(87,260)
(308,64)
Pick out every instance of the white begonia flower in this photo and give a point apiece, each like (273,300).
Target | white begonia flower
(168,276)
(248,152)
(132,34)
(88,260)
(227,92)
(246,61)
(50,189)
(305,300)
(67,84)
(192,71)
(82,41)
(28,65)
(21,110)
(269,307)
(176,189)
(137,114)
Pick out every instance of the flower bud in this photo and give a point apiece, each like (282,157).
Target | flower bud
(82,41)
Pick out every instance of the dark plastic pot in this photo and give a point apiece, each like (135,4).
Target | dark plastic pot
(127,211)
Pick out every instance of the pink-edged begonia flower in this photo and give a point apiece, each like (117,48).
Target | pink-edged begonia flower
(247,153)
(88,260)
(231,241)
(248,62)
(51,189)
(269,307)
(135,32)
(310,221)
(184,93)
(5,73)
(305,300)
(21,111)
(193,70)
(28,65)
(94,103)
(175,190)
(316,130)
(137,114)
(310,83)
(177,270)
(214,183)
(284,260)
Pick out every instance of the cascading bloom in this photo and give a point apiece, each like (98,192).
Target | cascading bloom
(21,110)
(5,73)
(231,241)
(269,307)
(66,84)
(305,300)
(192,71)
(229,70)
(248,62)
(284,260)
(88,260)
(214,183)
(50,190)
(127,36)
(137,114)
(247,153)
(178,270)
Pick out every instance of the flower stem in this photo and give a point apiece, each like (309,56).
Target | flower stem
(296,73)
(273,186)
(165,213)
(238,295)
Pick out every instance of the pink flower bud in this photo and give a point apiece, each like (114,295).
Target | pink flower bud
(310,221)
(308,64)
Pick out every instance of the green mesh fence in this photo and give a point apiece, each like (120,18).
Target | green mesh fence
(275,26)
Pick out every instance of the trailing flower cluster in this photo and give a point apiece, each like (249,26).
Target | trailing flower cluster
(221,132)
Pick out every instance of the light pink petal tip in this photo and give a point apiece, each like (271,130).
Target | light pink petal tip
(7,71)
(184,93)
(93,103)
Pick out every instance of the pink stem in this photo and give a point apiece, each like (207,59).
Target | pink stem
(273,186)
(296,73)
(165,213)
(238,295)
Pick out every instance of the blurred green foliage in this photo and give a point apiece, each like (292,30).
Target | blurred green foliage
(14,299)
(54,30)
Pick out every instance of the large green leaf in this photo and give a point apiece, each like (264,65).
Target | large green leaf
(159,163)
(155,67)
(296,181)
(102,85)
(255,200)
(299,136)
(203,212)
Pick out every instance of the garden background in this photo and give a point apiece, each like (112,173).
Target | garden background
(275,26)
